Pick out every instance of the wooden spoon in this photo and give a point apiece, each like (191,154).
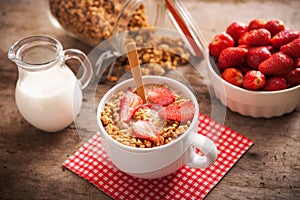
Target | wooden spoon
(135,68)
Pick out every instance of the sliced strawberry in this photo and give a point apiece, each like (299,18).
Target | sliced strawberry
(292,49)
(161,95)
(128,105)
(284,37)
(275,83)
(146,130)
(178,112)
(151,106)
(231,57)
(279,64)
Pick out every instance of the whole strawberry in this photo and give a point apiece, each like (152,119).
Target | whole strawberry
(275,83)
(284,37)
(231,56)
(236,29)
(296,63)
(292,49)
(293,77)
(254,80)
(257,55)
(220,42)
(233,76)
(274,26)
(244,68)
(272,49)
(279,64)
(256,24)
(256,37)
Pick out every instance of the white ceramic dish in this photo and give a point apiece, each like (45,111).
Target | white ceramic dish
(264,104)
(158,161)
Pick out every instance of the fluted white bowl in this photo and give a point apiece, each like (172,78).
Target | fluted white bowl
(265,104)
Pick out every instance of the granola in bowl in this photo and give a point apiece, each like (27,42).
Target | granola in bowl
(164,116)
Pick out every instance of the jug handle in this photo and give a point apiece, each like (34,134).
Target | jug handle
(86,65)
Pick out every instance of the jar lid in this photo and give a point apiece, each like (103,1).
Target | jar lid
(183,23)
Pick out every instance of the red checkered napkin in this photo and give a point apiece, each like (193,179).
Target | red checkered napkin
(91,163)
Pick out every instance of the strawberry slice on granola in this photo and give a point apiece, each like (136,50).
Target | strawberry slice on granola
(128,105)
(146,130)
(181,112)
(161,95)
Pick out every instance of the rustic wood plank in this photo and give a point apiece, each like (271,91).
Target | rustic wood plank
(31,160)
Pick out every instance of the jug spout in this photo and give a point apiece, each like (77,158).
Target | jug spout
(35,52)
(12,55)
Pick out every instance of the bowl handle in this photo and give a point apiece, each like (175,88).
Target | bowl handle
(207,147)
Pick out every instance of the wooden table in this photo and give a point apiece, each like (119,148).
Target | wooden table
(31,160)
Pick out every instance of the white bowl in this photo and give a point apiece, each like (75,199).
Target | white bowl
(265,104)
(165,159)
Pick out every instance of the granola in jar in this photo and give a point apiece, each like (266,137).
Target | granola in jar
(93,21)
(157,56)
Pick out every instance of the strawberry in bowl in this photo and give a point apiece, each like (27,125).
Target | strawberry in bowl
(260,75)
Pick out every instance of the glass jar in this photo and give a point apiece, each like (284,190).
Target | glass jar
(95,21)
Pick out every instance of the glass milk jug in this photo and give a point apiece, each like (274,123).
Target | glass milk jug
(48,94)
